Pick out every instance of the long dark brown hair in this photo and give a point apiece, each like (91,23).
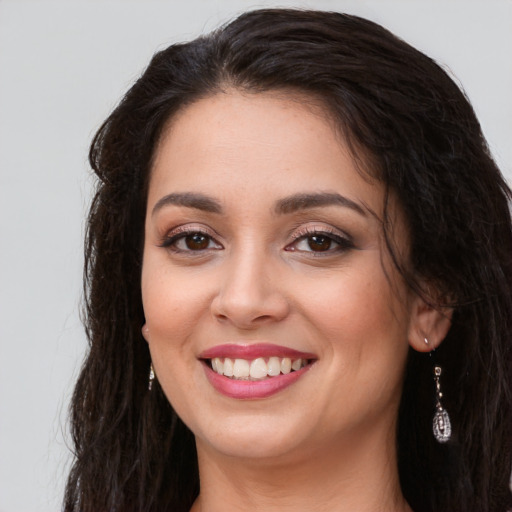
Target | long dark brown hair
(396,109)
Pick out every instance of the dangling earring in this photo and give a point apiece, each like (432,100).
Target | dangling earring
(441,425)
(151,376)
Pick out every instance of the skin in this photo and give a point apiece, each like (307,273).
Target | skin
(327,442)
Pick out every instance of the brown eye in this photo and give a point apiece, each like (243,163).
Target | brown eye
(319,243)
(189,241)
(197,241)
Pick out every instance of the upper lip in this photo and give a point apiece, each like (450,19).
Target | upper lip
(253,351)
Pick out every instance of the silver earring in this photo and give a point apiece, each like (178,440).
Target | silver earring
(151,376)
(441,425)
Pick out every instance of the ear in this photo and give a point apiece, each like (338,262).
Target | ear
(145,332)
(428,325)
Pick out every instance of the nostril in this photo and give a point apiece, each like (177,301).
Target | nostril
(221,318)
(248,300)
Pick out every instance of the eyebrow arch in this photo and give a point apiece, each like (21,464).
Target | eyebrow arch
(190,200)
(298,202)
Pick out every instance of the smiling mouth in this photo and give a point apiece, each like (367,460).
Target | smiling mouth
(256,369)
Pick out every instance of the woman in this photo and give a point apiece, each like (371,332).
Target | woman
(298,262)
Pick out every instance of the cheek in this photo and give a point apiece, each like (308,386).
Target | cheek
(363,321)
(171,309)
(171,304)
(356,304)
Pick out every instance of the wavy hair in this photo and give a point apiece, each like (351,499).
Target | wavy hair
(396,109)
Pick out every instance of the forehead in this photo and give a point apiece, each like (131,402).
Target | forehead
(257,140)
(226,117)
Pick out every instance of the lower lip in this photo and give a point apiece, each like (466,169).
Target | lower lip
(249,389)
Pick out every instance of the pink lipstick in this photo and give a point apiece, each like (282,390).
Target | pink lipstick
(254,371)
(234,351)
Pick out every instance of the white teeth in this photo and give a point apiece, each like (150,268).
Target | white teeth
(241,369)
(228,367)
(218,365)
(297,364)
(258,368)
(274,366)
(286,365)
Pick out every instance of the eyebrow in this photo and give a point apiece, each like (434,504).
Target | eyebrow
(298,202)
(190,200)
(287,205)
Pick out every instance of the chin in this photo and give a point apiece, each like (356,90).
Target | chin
(255,438)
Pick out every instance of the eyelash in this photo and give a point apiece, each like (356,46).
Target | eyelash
(170,241)
(343,243)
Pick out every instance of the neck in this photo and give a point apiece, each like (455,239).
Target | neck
(352,476)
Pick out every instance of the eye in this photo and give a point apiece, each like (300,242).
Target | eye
(315,241)
(193,242)
(190,241)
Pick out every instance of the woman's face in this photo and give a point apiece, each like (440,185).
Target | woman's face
(263,250)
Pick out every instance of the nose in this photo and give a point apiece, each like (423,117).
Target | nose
(250,292)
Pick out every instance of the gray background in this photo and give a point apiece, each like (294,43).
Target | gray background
(63,65)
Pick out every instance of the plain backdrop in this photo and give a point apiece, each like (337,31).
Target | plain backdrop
(63,66)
